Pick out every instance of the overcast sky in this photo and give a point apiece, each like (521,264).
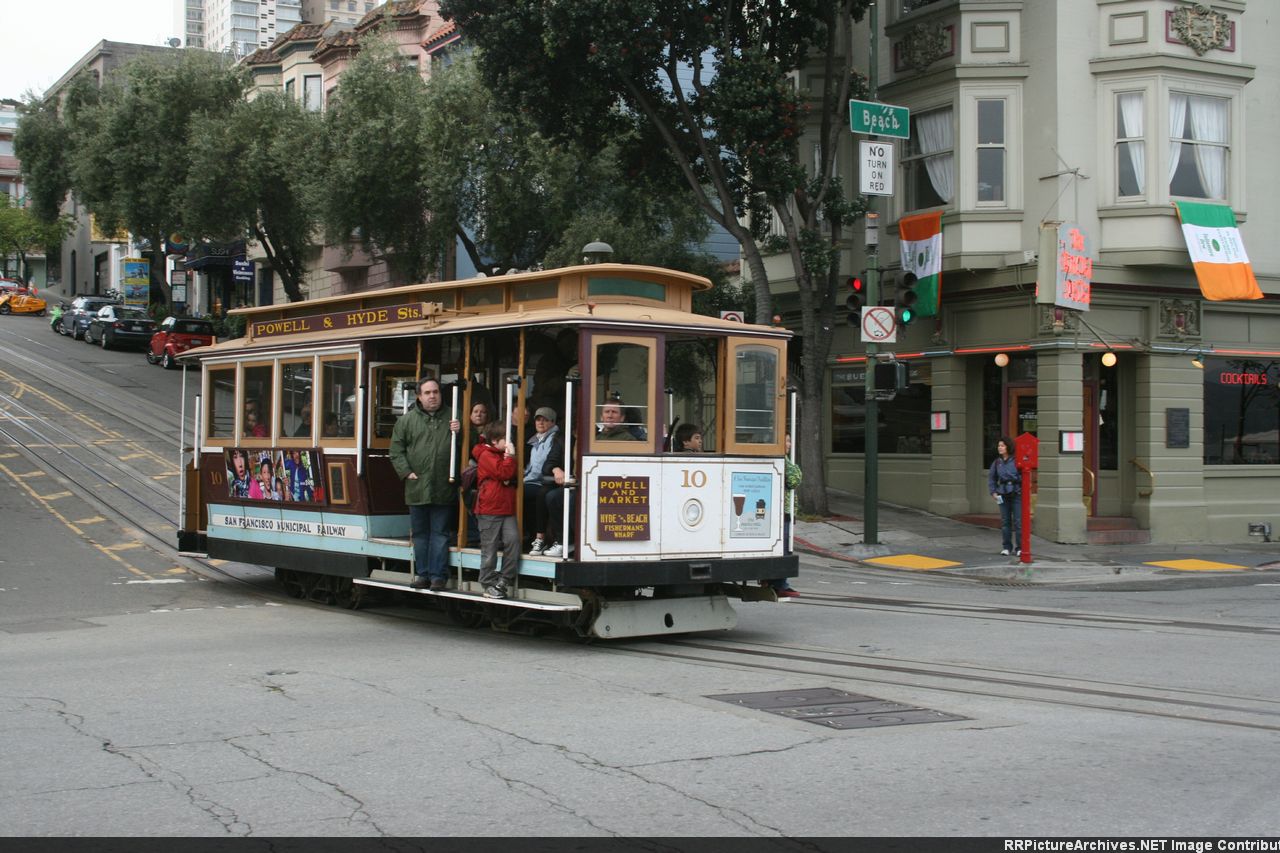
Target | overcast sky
(44,38)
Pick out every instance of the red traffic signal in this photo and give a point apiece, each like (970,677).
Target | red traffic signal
(857,298)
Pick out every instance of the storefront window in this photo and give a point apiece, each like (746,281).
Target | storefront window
(1241,411)
(904,421)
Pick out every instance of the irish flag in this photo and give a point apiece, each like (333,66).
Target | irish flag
(922,254)
(1217,252)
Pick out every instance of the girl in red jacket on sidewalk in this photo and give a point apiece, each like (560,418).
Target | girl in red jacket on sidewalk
(495,510)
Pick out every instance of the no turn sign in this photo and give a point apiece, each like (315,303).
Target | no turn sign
(879,326)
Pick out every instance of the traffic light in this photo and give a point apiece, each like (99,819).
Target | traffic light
(857,298)
(904,298)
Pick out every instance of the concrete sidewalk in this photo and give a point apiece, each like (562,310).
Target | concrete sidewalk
(912,540)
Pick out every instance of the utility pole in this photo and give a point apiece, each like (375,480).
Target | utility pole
(871,407)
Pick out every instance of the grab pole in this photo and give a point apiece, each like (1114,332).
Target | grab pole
(791,499)
(565,530)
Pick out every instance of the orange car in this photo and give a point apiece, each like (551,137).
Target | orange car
(21,303)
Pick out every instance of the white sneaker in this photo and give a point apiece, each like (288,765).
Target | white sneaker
(539,545)
(556,550)
(1004,552)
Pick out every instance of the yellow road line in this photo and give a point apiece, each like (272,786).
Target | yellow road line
(70,525)
(55,496)
(129,456)
(1197,565)
(915,562)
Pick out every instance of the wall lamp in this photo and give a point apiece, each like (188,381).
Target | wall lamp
(1002,359)
(1109,359)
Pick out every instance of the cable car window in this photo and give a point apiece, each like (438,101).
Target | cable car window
(393,395)
(627,287)
(690,371)
(755,378)
(622,407)
(258,393)
(534,291)
(337,398)
(221,402)
(296,399)
(483,297)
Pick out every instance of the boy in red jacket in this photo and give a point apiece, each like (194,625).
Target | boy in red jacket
(495,510)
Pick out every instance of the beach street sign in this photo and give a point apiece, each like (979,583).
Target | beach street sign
(879,119)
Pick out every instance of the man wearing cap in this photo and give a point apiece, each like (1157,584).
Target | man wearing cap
(543,473)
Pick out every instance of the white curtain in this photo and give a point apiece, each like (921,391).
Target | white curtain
(936,134)
(1209,124)
(1177,120)
(1131,116)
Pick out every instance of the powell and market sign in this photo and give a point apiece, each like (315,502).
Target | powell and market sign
(359,318)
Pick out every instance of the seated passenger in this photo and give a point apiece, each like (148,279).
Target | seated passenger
(303,429)
(611,426)
(253,425)
(543,471)
(688,439)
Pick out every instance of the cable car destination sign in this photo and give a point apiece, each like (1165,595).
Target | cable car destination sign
(338,320)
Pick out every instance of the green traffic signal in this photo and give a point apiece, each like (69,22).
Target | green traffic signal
(904,298)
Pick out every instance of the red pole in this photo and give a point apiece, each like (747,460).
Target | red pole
(1025,544)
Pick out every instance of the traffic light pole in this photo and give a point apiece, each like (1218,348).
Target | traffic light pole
(871,407)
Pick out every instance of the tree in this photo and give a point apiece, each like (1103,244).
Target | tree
(709,84)
(514,197)
(253,169)
(23,233)
(130,148)
(375,183)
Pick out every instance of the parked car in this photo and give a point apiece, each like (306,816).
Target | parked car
(21,303)
(77,316)
(120,325)
(175,336)
(12,285)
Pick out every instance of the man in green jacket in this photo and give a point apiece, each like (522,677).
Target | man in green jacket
(420,446)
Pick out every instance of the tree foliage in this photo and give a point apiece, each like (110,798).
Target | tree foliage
(515,197)
(375,183)
(253,169)
(129,142)
(23,233)
(708,85)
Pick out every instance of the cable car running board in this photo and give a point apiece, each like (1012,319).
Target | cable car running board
(469,596)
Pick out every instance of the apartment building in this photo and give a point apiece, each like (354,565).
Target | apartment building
(1156,409)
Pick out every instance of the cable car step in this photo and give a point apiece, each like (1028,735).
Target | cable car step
(526,598)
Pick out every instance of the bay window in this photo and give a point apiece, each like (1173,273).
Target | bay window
(1198,144)
(991,149)
(929,165)
(1131,152)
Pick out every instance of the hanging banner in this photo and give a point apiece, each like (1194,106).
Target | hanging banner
(921,238)
(1217,252)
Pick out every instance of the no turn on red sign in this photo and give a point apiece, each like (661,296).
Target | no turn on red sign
(879,326)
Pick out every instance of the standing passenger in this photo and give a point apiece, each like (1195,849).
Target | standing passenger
(792,475)
(496,510)
(420,446)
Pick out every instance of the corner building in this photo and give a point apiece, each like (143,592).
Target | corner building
(1101,113)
